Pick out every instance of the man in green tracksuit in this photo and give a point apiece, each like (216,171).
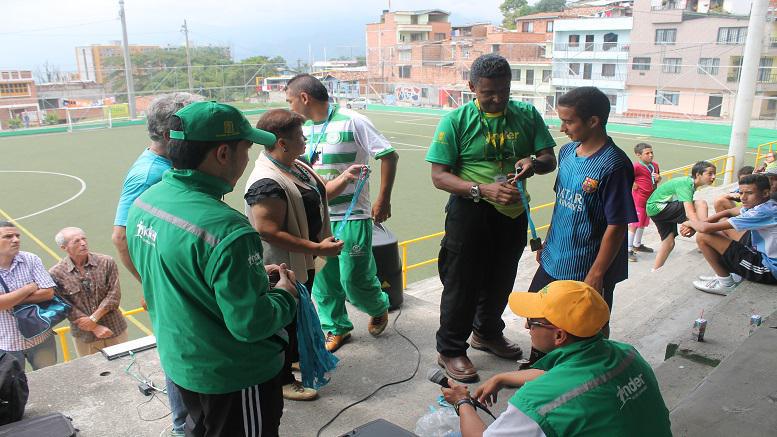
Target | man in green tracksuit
(218,323)
(586,385)
(340,144)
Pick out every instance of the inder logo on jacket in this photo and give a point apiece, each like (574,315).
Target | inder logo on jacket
(632,389)
(147,234)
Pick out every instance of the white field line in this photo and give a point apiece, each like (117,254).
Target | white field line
(81,181)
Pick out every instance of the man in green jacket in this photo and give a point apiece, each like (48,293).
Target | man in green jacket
(218,322)
(586,385)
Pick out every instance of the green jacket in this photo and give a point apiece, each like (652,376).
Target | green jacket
(595,387)
(219,327)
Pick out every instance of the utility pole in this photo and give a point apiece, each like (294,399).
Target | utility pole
(127,63)
(310,58)
(743,107)
(185,31)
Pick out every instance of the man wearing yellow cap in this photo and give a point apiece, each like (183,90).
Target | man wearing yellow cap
(586,385)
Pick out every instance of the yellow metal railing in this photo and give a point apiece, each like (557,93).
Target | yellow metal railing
(403,245)
(65,329)
(720,162)
(762,150)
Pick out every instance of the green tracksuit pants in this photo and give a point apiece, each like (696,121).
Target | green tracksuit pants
(352,275)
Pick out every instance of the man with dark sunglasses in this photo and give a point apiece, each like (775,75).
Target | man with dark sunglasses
(584,385)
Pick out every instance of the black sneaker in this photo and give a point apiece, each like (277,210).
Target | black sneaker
(643,248)
(632,256)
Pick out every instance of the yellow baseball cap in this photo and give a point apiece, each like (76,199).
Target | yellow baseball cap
(572,306)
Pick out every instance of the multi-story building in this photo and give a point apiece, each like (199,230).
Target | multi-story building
(18,98)
(686,58)
(90,59)
(421,59)
(593,52)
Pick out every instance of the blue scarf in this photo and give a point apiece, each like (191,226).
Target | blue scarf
(314,360)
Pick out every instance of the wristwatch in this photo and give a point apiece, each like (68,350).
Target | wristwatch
(534,163)
(461,402)
(474,191)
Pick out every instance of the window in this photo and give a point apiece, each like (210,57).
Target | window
(608,70)
(404,71)
(424,93)
(529,77)
(641,64)
(464,74)
(516,74)
(14,89)
(574,40)
(494,48)
(574,69)
(667,98)
(527,26)
(735,70)
(732,35)
(549,27)
(465,52)
(589,43)
(666,36)
(610,41)
(417,36)
(546,74)
(671,65)
(709,66)
(439,36)
(405,55)
(587,68)
(765,70)
(613,99)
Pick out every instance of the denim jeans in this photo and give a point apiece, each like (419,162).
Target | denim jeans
(176,405)
(39,356)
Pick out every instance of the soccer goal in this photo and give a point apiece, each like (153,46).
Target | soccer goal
(88,117)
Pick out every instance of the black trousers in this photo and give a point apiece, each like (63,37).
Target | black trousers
(252,411)
(477,264)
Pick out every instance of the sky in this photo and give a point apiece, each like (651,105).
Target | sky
(33,32)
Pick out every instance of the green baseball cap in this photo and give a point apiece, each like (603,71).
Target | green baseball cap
(213,121)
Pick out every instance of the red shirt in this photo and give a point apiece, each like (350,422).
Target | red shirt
(644,181)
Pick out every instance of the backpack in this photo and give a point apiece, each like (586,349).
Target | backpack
(13,389)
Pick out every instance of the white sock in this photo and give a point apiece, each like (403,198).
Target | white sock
(726,281)
(638,237)
(631,240)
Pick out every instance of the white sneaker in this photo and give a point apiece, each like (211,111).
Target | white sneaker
(715,287)
(708,278)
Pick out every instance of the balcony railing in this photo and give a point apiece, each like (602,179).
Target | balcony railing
(591,47)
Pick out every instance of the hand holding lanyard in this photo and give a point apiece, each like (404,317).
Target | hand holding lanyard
(363,175)
(536,242)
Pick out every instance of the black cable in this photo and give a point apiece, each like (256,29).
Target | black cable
(415,372)
(153,396)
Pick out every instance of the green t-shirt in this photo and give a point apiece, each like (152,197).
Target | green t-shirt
(680,189)
(460,142)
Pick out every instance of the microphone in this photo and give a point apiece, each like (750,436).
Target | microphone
(438,377)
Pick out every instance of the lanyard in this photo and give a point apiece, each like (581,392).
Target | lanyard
(652,169)
(300,173)
(314,152)
(359,185)
(526,209)
(493,137)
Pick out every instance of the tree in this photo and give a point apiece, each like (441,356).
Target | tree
(548,6)
(48,73)
(511,9)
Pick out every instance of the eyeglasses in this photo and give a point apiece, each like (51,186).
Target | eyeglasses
(539,324)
